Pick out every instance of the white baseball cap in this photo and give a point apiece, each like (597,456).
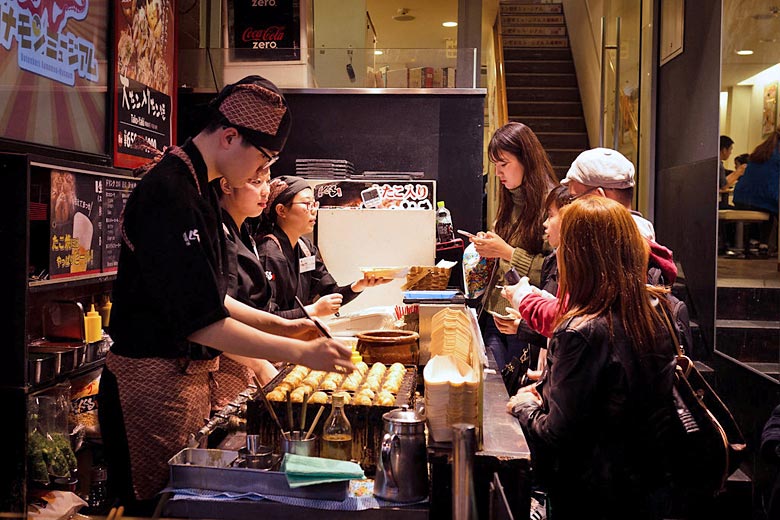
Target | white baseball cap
(601,167)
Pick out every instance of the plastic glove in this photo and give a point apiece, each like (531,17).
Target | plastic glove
(516,293)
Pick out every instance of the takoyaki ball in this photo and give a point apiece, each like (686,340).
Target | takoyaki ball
(328,384)
(397,367)
(362,399)
(318,398)
(275,395)
(378,368)
(366,391)
(297,395)
(385,399)
(362,367)
(373,384)
(285,386)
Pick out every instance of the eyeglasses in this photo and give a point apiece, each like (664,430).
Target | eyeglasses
(572,198)
(271,159)
(310,204)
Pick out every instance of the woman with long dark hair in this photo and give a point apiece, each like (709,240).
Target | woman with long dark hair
(610,369)
(526,176)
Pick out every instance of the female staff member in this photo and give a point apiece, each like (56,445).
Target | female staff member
(526,176)
(247,282)
(171,316)
(610,368)
(291,261)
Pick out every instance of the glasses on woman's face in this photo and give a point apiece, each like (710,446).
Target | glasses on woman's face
(311,205)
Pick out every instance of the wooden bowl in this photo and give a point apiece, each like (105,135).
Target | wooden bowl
(389,346)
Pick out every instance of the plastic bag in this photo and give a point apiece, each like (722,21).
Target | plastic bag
(476,272)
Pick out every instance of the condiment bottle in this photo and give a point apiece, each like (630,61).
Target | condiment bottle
(105,312)
(444,231)
(337,433)
(93,329)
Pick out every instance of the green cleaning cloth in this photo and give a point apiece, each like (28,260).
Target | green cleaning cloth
(307,471)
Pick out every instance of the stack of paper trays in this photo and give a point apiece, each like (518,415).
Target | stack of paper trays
(451,393)
(451,334)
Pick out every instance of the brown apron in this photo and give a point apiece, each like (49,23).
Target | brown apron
(163,401)
(231,379)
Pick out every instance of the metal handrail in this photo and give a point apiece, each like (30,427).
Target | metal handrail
(602,90)
(498,49)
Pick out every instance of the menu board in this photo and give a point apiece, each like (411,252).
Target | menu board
(372,194)
(76,231)
(115,194)
(144,97)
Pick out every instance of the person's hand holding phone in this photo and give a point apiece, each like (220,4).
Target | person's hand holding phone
(490,245)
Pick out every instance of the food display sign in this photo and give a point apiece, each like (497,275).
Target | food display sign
(145,73)
(383,195)
(267,30)
(116,191)
(76,233)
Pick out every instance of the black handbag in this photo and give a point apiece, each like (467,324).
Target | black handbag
(515,373)
(708,445)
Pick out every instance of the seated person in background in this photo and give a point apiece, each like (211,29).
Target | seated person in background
(292,264)
(758,188)
(740,164)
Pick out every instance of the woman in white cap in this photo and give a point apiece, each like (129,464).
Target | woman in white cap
(171,316)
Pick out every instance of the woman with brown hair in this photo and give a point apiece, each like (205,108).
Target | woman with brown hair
(526,176)
(610,369)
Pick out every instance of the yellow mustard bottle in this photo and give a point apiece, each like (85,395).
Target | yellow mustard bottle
(93,326)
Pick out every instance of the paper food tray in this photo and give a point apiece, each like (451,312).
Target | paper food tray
(211,469)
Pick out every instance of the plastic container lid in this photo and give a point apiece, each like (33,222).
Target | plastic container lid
(440,204)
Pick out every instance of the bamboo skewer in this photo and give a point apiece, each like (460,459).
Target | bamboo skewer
(314,423)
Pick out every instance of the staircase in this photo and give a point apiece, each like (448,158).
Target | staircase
(541,83)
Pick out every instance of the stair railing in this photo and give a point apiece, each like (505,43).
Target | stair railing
(498,51)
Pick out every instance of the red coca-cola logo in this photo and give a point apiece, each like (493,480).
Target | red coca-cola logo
(273,33)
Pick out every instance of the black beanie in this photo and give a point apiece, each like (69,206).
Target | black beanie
(256,108)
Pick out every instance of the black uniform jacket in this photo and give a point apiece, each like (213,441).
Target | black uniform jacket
(172,280)
(591,439)
(248,283)
(282,265)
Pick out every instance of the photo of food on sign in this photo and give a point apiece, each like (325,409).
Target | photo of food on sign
(376,195)
(143,43)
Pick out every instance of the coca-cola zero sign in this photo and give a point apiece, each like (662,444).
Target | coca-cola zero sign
(266,29)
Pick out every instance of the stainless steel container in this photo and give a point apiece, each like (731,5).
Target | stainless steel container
(402,466)
(41,367)
(213,469)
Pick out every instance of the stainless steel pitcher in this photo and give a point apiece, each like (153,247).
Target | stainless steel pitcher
(402,468)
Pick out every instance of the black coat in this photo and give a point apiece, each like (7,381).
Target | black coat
(589,439)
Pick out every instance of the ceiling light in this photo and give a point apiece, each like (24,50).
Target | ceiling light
(450,24)
(378,52)
(402,15)
(744,52)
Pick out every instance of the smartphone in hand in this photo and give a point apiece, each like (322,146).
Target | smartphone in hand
(511,277)
(466,234)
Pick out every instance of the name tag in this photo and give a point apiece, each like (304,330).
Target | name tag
(306,264)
